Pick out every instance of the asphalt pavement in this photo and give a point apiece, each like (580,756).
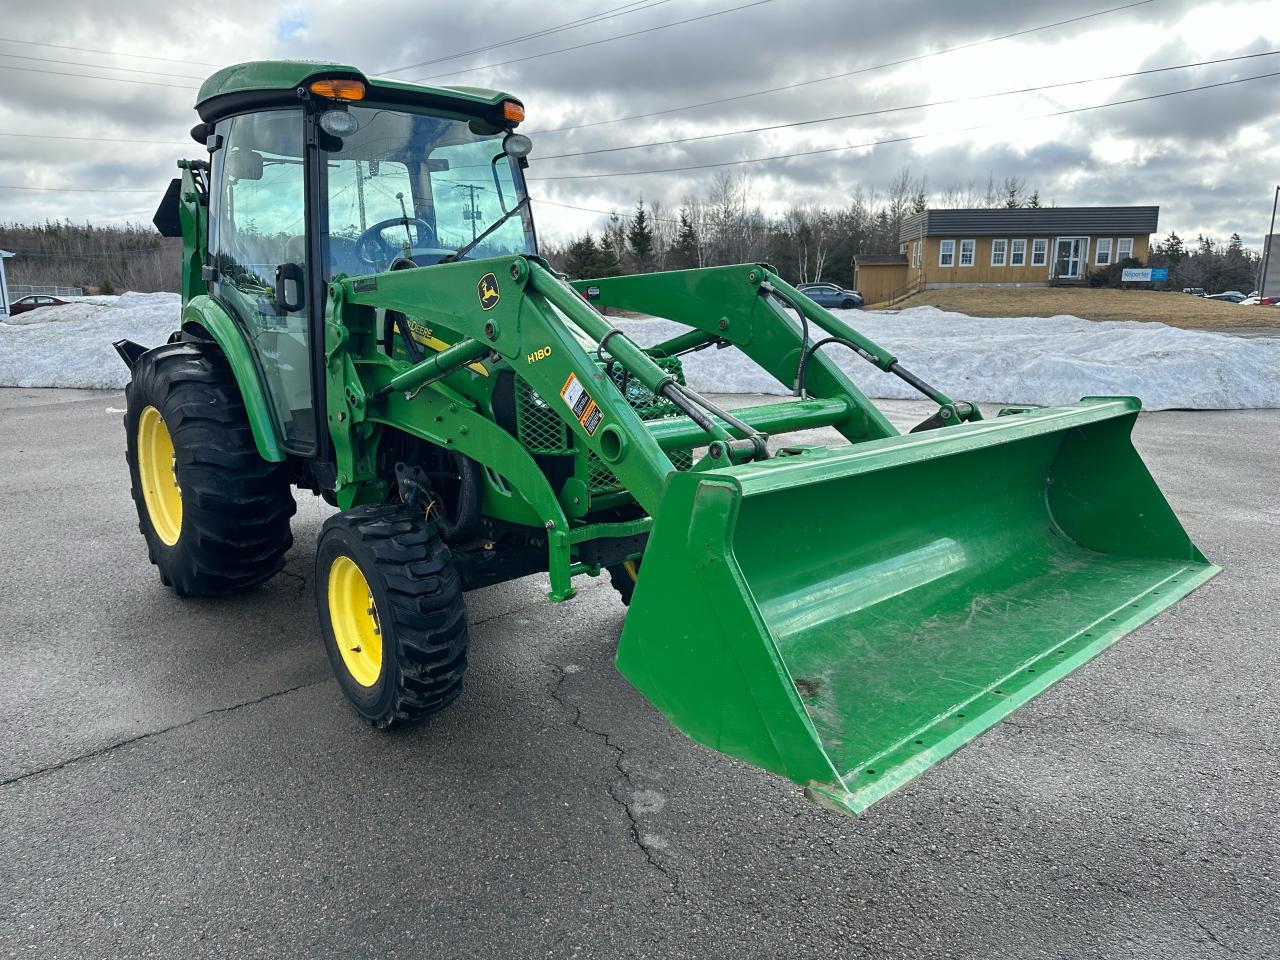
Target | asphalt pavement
(182,778)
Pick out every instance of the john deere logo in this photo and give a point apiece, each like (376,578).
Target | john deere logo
(487,288)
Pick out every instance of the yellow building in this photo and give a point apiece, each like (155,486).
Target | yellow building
(1022,246)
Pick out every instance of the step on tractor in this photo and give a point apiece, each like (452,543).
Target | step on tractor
(366,317)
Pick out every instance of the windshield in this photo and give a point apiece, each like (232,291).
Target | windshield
(419,186)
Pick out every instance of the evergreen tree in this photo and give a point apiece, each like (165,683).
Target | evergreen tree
(608,264)
(684,252)
(920,202)
(640,236)
(582,260)
(1033,201)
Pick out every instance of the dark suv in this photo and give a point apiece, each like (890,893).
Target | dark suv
(829,295)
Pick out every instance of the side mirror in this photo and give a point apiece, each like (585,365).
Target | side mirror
(244,164)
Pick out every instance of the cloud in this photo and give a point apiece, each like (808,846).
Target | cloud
(1208,159)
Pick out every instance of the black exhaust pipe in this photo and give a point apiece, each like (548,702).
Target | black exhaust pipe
(129,351)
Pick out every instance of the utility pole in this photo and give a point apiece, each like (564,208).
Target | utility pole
(360,196)
(1267,245)
(472,213)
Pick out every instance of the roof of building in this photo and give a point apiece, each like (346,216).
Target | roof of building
(1045,221)
(876,259)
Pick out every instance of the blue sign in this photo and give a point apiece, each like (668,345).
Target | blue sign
(1159,273)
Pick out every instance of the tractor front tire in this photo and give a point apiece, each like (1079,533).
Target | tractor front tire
(215,515)
(391,613)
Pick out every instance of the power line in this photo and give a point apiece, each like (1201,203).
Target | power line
(86,76)
(8,186)
(101,66)
(112,53)
(49,136)
(607,213)
(640,5)
(593,43)
(914,106)
(902,139)
(850,73)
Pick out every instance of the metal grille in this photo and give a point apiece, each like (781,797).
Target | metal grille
(647,406)
(542,431)
(540,427)
(601,479)
(642,399)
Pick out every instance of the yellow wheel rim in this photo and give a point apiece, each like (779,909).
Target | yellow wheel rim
(158,474)
(354,617)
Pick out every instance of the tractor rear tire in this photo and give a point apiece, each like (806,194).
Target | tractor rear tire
(391,613)
(215,515)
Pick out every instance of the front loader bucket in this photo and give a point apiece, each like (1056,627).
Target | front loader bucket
(850,616)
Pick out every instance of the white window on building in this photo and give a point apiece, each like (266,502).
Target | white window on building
(967,250)
(1124,248)
(915,255)
(1039,252)
(947,253)
(999,252)
(1017,253)
(1103,254)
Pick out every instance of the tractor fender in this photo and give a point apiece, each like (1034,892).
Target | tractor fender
(212,321)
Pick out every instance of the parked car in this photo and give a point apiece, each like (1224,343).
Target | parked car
(1194,291)
(829,295)
(1231,296)
(32,302)
(1257,301)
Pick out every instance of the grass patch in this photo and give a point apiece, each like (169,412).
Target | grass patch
(1101,303)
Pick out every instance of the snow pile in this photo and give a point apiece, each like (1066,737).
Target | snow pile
(1009,360)
(70,346)
(1031,360)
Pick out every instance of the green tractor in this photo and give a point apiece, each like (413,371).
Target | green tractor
(365,316)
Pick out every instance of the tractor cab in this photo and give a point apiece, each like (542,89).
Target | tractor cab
(315,171)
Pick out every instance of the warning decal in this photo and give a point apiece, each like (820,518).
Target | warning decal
(584,408)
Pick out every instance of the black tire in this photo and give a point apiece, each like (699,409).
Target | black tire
(235,507)
(623,580)
(847,305)
(417,609)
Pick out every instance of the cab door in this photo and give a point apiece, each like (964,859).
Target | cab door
(258,242)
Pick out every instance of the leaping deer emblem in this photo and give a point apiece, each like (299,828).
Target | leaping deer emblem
(487,288)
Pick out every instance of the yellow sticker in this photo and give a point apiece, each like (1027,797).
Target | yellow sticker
(584,408)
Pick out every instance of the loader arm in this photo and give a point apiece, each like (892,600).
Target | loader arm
(844,616)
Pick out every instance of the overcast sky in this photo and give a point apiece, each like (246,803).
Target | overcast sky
(1209,159)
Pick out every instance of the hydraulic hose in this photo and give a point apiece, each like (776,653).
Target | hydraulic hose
(933,393)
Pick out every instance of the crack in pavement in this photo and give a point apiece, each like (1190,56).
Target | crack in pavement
(1200,923)
(618,753)
(302,581)
(111,747)
(101,751)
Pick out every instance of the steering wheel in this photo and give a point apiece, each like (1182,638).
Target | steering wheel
(384,249)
